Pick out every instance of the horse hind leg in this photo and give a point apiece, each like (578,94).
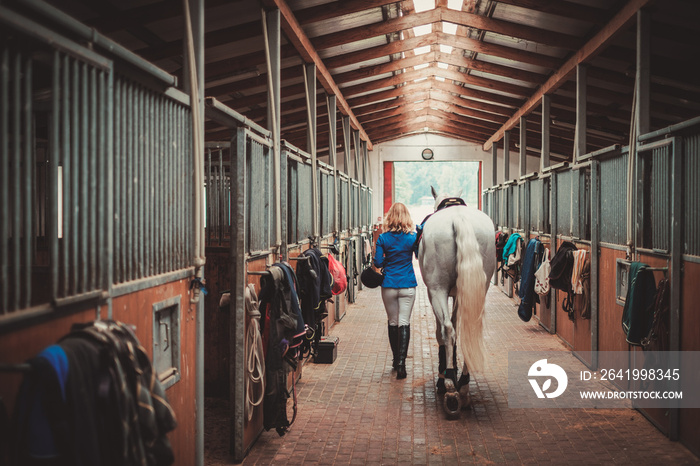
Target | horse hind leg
(453,400)
(463,387)
(446,339)
(442,367)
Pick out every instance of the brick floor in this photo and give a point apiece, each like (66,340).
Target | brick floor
(354,411)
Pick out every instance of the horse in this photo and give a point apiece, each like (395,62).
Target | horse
(457,258)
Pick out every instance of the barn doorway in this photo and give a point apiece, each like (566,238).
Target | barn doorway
(412,182)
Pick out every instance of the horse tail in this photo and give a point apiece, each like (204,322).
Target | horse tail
(470,296)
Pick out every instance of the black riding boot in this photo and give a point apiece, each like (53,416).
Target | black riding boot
(394,343)
(404,337)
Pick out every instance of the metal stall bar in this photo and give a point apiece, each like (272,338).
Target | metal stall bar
(140,187)
(214,201)
(83,219)
(175,236)
(162,173)
(170,257)
(208,198)
(310,81)
(238,284)
(332,144)
(52,230)
(365,162)
(100,181)
(179,194)
(108,189)
(118,174)
(92,176)
(343,201)
(347,135)
(148,184)
(70,111)
(357,212)
(653,205)
(191,251)
(677,221)
(292,213)
(130,157)
(554,186)
(691,195)
(254,186)
(62,193)
(272,39)
(29,160)
(4,168)
(221,198)
(15,188)
(595,267)
(128,149)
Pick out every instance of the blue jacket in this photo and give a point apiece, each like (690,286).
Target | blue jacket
(394,253)
(526,291)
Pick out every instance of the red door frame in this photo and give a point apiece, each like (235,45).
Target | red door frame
(388,185)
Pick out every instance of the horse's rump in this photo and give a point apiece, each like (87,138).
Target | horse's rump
(465,234)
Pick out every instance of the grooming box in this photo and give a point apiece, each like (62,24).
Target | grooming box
(327,350)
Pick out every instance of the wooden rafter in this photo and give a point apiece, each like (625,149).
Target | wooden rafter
(588,51)
(298,37)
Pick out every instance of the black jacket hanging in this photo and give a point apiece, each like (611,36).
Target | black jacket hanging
(280,304)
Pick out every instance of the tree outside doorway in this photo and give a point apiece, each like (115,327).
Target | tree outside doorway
(412,182)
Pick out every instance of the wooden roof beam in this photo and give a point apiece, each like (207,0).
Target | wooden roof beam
(563,8)
(461,18)
(435,71)
(297,36)
(431,83)
(588,51)
(459,42)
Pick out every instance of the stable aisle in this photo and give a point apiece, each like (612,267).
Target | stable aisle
(354,411)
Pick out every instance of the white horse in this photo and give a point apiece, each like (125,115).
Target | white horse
(457,258)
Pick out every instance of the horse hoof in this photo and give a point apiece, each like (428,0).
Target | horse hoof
(464,396)
(452,404)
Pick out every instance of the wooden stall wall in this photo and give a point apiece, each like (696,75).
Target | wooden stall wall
(610,334)
(544,313)
(25,343)
(690,341)
(137,309)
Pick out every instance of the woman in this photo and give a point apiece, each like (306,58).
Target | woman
(394,253)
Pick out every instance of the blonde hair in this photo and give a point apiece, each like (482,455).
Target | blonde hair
(398,219)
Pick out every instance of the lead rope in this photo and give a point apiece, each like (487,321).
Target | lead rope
(255,363)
